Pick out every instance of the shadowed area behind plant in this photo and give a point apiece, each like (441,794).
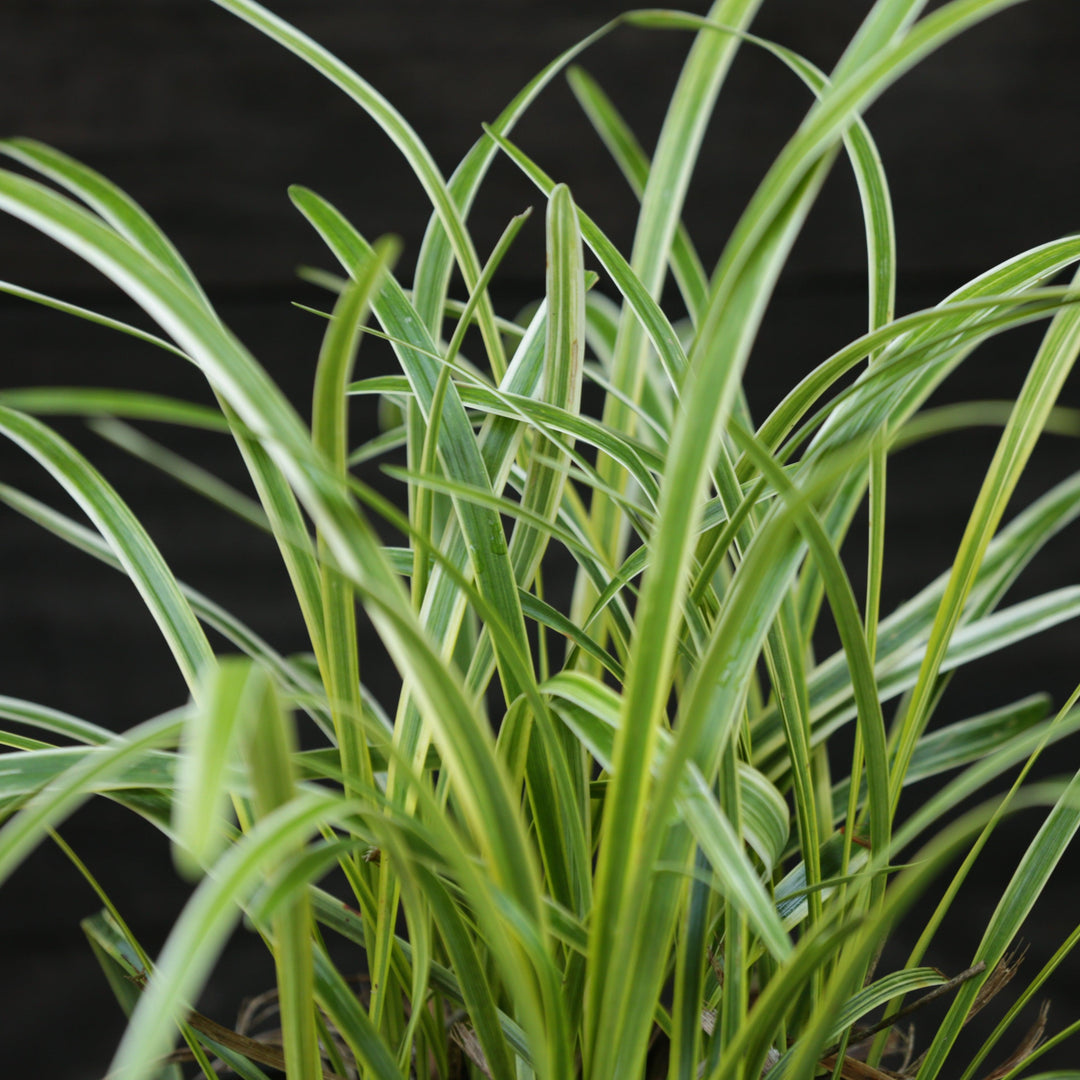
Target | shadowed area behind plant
(644,825)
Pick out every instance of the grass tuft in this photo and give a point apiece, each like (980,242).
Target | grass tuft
(610,836)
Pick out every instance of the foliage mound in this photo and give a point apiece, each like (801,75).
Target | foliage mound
(599,838)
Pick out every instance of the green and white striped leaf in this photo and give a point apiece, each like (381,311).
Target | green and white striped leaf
(140,558)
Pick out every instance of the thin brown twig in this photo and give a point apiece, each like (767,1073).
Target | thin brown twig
(996,981)
(938,991)
(853,1069)
(253,1049)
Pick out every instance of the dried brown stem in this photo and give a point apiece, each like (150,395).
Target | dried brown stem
(932,995)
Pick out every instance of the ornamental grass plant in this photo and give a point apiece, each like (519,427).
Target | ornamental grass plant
(645,832)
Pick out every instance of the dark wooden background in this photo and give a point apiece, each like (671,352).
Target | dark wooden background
(206,123)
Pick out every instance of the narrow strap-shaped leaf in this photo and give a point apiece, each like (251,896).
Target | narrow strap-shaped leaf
(894,387)
(342,665)
(330,435)
(497,454)
(904,378)
(965,415)
(109,402)
(118,208)
(638,460)
(753,1040)
(552,775)
(741,281)
(268,745)
(572,540)
(990,634)
(1052,364)
(591,709)
(935,336)
(400,133)
(634,165)
(551,771)
(341,1005)
(203,339)
(864,939)
(119,962)
(278,501)
(140,558)
(209,751)
(733,313)
(659,608)
(91,316)
(880,991)
(425,839)
(686,1012)
(475,987)
(877,214)
(434,263)
(424,502)
(869,174)
(886,21)
(962,743)
(332,913)
(704,694)
(536,609)
(561,384)
(28,771)
(850,93)
(457,439)
(126,966)
(466,744)
(981,638)
(1024,888)
(458,448)
(423,855)
(181,469)
(685,122)
(1021,1002)
(41,716)
(420,926)
(289,528)
(232,629)
(905,629)
(657,325)
(783,654)
(201,930)
(628,844)
(46,810)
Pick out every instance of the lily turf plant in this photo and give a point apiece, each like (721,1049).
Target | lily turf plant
(604,840)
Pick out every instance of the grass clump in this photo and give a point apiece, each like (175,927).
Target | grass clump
(604,839)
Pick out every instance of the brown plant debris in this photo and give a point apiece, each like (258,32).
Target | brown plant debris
(997,980)
(264,1050)
(854,1069)
(708,1021)
(931,995)
(896,1042)
(1028,1045)
(466,1039)
(256,1011)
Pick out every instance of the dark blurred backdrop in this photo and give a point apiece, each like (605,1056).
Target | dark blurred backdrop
(205,122)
